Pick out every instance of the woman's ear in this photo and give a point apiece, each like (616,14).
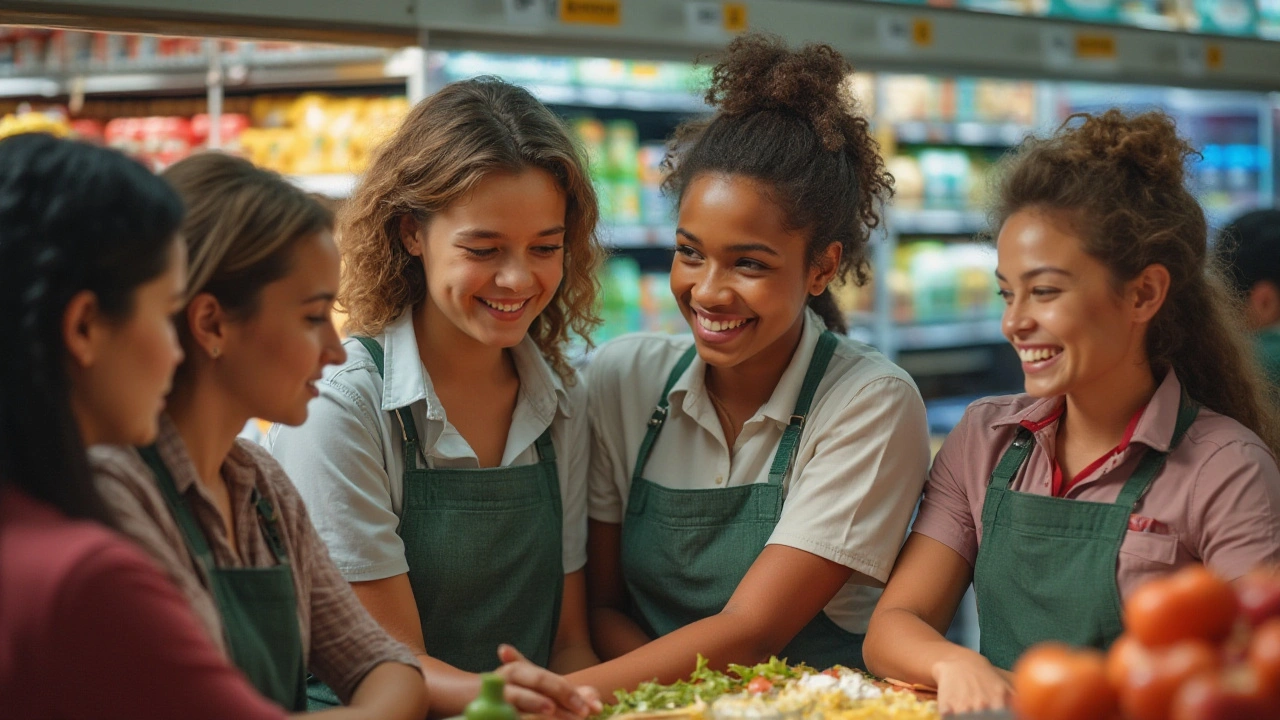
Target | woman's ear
(207,324)
(82,331)
(410,235)
(824,270)
(1147,292)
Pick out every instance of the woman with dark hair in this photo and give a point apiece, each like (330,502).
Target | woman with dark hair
(217,512)
(751,485)
(90,273)
(1144,441)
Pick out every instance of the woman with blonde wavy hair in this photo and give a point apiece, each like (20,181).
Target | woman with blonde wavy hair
(445,462)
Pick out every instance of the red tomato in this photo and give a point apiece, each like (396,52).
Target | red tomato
(1189,604)
(1259,593)
(1151,677)
(1054,682)
(1231,695)
(759,684)
(1125,653)
(1264,656)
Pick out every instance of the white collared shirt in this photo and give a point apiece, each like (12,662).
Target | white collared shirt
(861,463)
(348,463)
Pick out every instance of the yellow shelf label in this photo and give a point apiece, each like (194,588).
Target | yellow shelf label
(1213,56)
(1096,46)
(735,17)
(591,12)
(922,32)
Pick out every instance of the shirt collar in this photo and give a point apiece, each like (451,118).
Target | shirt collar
(1154,428)
(173,451)
(691,388)
(405,380)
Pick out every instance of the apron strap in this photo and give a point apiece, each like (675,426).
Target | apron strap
(660,412)
(408,429)
(546,450)
(790,442)
(1014,456)
(1153,460)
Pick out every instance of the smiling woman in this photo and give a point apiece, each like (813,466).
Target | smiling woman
(445,463)
(1144,441)
(751,486)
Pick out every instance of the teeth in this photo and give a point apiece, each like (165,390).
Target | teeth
(504,307)
(1038,354)
(716,326)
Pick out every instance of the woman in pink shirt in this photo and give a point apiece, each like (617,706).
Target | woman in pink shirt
(1144,441)
(90,273)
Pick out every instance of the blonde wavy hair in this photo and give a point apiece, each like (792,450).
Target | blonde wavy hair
(448,144)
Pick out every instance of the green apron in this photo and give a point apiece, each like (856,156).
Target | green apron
(484,554)
(259,607)
(684,552)
(1046,567)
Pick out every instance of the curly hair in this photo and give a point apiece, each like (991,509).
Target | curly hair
(446,146)
(1120,181)
(788,119)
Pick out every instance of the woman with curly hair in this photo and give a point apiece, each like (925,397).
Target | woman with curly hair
(751,484)
(444,463)
(1144,441)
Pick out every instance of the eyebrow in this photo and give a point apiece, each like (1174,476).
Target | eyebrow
(482,234)
(1046,270)
(326,296)
(737,247)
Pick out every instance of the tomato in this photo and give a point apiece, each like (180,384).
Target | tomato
(1259,594)
(1189,604)
(1149,677)
(759,684)
(1231,695)
(1264,656)
(1125,653)
(1054,682)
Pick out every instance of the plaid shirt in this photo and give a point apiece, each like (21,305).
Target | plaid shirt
(341,642)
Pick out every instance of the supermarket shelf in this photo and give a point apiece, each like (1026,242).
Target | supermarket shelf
(628,99)
(936,221)
(624,237)
(323,67)
(972,134)
(337,186)
(937,336)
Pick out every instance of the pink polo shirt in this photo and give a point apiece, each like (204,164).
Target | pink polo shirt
(1216,501)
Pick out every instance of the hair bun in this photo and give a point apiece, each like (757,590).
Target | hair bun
(1147,144)
(759,72)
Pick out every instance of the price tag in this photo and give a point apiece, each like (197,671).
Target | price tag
(922,32)
(1096,46)
(591,12)
(529,12)
(1065,49)
(1213,56)
(715,20)
(894,33)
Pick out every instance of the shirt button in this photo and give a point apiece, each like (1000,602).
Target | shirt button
(720,480)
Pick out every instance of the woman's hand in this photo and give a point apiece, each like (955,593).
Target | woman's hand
(971,684)
(535,690)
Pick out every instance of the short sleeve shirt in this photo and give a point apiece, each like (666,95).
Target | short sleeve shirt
(341,642)
(859,468)
(1216,501)
(348,463)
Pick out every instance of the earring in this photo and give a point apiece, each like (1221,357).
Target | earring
(215,352)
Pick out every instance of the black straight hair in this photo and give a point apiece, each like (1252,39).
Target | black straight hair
(73,217)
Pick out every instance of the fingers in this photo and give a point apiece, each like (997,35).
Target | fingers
(528,702)
(525,674)
(591,697)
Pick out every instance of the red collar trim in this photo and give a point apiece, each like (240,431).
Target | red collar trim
(1059,489)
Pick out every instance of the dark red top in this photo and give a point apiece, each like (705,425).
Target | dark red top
(89,628)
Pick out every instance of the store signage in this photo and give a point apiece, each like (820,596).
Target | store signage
(591,12)
(715,20)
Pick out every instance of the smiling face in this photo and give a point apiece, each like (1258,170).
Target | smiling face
(494,259)
(740,276)
(1074,329)
(273,358)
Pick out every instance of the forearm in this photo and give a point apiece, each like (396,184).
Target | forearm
(390,691)
(572,658)
(901,645)
(614,634)
(451,688)
(722,639)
